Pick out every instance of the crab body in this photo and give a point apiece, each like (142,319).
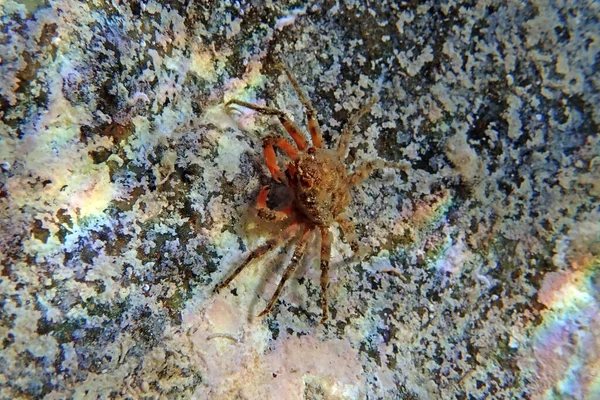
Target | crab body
(319,181)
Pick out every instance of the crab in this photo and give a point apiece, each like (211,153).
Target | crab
(321,185)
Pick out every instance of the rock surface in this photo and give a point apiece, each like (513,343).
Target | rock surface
(127,193)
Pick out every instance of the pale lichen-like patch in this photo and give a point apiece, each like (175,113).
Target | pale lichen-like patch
(127,191)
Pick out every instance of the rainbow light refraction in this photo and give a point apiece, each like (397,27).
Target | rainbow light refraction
(565,346)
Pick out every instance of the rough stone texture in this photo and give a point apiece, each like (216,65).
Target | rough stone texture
(127,193)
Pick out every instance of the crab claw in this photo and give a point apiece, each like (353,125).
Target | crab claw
(262,195)
(269,154)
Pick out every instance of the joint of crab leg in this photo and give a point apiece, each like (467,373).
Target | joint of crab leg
(311,114)
(292,128)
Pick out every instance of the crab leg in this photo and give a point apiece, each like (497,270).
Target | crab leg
(311,113)
(365,169)
(298,254)
(269,153)
(348,228)
(290,126)
(342,149)
(284,236)
(265,212)
(325,257)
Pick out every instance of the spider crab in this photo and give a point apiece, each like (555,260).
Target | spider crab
(321,185)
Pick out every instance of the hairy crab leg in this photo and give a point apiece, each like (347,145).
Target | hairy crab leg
(268,214)
(290,126)
(347,227)
(325,257)
(298,254)
(284,236)
(269,154)
(311,113)
(342,149)
(365,169)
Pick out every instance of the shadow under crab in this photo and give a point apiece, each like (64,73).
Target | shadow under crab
(320,182)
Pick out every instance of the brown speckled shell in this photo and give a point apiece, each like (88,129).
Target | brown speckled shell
(319,182)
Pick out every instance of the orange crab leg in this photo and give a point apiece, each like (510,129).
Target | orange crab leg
(294,130)
(290,126)
(315,130)
(271,158)
(311,114)
(265,212)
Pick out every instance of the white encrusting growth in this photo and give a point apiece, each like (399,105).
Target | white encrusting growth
(127,192)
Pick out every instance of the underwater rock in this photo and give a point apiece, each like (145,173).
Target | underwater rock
(127,193)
